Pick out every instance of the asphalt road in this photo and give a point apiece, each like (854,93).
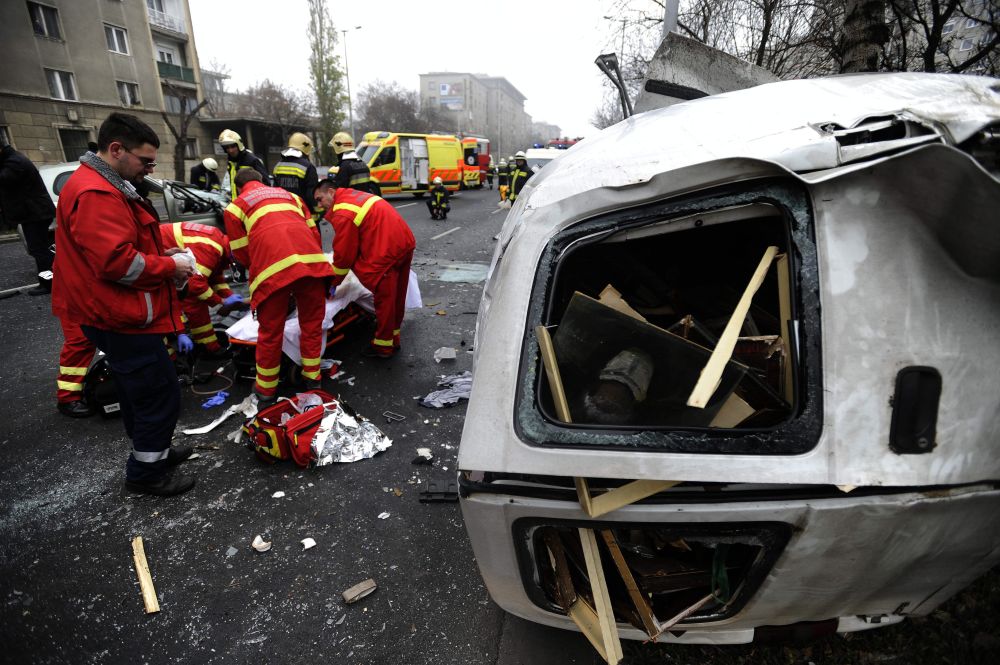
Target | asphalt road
(68,586)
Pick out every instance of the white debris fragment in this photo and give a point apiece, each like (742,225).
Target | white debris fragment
(383,516)
(444,353)
(307,543)
(232,551)
(260,544)
(425,453)
(278,495)
(194,456)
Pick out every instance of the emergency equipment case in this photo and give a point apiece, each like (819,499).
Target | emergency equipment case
(273,440)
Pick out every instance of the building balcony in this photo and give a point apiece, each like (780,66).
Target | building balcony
(167,22)
(176,72)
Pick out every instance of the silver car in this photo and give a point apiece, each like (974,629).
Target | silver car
(784,411)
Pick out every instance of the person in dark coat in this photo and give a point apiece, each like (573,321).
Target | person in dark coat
(351,171)
(25,201)
(438,204)
(204,176)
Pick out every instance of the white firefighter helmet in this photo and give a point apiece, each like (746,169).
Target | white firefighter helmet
(503,162)
(341,143)
(229,137)
(210,164)
(438,180)
(301,142)
(519,155)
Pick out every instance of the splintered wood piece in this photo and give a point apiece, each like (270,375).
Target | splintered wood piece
(639,599)
(683,614)
(359,591)
(595,506)
(552,373)
(145,579)
(711,375)
(602,600)
(785,316)
(734,411)
(611,297)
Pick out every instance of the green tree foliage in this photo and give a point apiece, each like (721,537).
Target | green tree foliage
(325,74)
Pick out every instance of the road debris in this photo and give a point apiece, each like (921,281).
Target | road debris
(278,495)
(424,456)
(444,353)
(455,387)
(383,516)
(145,579)
(357,592)
(343,438)
(439,492)
(308,543)
(260,544)
(248,407)
(393,417)
(218,399)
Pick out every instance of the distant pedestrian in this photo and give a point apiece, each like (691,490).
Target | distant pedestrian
(117,284)
(25,201)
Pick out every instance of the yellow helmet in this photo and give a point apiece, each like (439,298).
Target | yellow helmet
(229,137)
(300,141)
(341,143)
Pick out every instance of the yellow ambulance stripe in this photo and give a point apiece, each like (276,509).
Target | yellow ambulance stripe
(286,262)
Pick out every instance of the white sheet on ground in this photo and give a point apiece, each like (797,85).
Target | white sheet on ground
(350,290)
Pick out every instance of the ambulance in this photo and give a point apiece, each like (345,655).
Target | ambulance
(408,163)
(476,156)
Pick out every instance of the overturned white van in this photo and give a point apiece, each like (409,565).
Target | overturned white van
(797,359)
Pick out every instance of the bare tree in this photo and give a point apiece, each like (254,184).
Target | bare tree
(324,72)
(930,36)
(288,109)
(608,113)
(187,106)
(391,107)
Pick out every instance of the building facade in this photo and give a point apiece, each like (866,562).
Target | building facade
(70,63)
(479,105)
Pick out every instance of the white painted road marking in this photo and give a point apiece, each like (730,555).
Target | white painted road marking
(405,205)
(441,235)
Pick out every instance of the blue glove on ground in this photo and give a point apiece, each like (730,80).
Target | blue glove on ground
(233,299)
(184,343)
(216,400)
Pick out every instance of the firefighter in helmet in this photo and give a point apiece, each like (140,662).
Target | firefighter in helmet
(351,172)
(519,175)
(295,173)
(503,179)
(204,176)
(438,203)
(239,158)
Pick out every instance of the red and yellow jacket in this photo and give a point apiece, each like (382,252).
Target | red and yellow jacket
(370,236)
(110,270)
(211,252)
(272,233)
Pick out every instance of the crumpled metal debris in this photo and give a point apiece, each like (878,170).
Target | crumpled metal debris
(343,438)
(456,387)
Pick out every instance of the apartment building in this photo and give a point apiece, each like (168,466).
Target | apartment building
(69,63)
(481,105)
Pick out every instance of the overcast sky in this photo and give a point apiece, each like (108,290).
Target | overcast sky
(546,48)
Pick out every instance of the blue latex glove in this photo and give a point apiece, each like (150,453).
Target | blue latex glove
(184,343)
(216,400)
(233,299)
(333,291)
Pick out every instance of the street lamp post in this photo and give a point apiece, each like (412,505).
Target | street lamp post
(347,75)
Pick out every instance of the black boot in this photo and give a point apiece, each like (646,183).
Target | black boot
(44,285)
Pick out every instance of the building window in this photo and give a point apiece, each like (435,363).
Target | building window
(117,42)
(949,27)
(174,103)
(967,45)
(128,93)
(4,136)
(45,20)
(191,149)
(155,5)
(74,142)
(61,84)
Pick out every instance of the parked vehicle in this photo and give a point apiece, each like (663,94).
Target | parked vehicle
(476,155)
(408,163)
(797,361)
(539,157)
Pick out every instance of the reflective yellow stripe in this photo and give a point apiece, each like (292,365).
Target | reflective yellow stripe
(310,361)
(205,339)
(287,169)
(268,371)
(178,236)
(340,271)
(201,329)
(312,375)
(286,262)
(239,243)
(268,209)
(207,272)
(69,385)
(205,295)
(73,371)
(382,342)
(205,241)
(359,211)
(221,286)
(236,212)
(396,331)
(266,384)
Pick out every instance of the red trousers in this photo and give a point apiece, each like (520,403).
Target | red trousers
(390,305)
(199,321)
(310,299)
(74,359)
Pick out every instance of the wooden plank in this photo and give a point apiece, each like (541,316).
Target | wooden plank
(711,374)
(734,411)
(611,297)
(585,618)
(785,316)
(602,600)
(145,579)
(683,614)
(626,494)
(552,373)
(639,599)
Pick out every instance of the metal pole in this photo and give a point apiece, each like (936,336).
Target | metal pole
(669,17)
(347,75)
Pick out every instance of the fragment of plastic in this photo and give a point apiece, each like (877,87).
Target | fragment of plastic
(218,399)
(305,401)
(455,387)
(444,353)
(185,256)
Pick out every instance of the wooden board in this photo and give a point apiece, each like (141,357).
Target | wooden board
(145,579)
(639,599)
(595,506)
(734,411)
(711,375)
(602,600)
(785,316)
(552,373)
(611,297)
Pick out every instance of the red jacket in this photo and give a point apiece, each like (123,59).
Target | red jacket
(211,251)
(272,233)
(370,236)
(110,271)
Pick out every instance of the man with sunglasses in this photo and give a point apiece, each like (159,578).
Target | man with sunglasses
(114,280)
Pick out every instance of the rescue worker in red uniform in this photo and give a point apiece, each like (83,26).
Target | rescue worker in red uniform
(374,241)
(207,286)
(117,284)
(74,360)
(271,231)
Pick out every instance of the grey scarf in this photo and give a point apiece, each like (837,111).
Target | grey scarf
(109,174)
